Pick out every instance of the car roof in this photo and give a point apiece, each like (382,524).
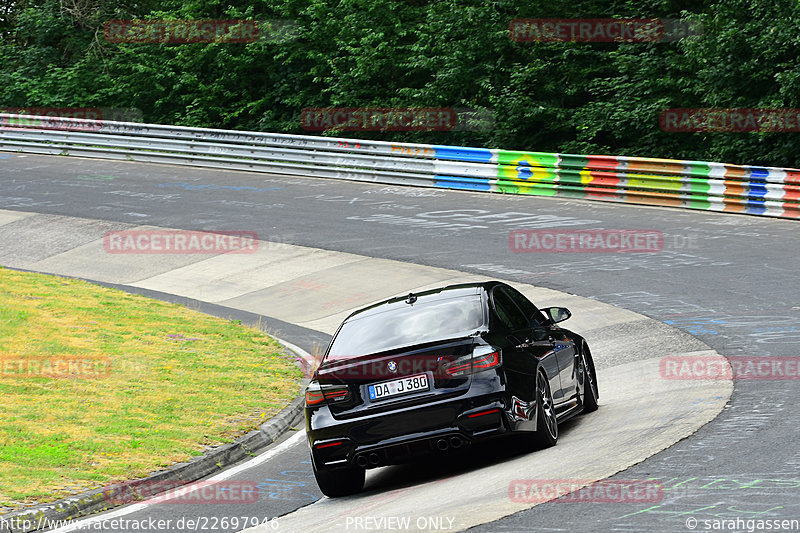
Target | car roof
(450,291)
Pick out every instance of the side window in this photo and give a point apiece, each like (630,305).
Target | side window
(507,311)
(530,310)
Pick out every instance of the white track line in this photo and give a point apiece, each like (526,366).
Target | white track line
(285,445)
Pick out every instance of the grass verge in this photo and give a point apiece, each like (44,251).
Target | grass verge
(100,386)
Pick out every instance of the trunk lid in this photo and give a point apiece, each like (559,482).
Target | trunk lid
(398,378)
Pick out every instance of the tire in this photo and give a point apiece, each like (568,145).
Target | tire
(546,422)
(590,392)
(337,482)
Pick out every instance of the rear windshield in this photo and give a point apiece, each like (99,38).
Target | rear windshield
(403,325)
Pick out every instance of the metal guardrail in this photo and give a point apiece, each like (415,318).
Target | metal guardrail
(755,190)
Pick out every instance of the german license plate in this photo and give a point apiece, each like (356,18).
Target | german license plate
(396,387)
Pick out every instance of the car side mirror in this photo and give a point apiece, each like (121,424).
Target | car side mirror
(557,314)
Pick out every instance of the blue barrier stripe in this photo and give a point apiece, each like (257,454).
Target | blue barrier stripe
(454,182)
(757,188)
(460,153)
(759,172)
(756,207)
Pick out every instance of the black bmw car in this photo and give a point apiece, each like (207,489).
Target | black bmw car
(438,370)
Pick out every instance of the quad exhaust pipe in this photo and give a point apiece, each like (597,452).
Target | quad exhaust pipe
(454,442)
(372,459)
(365,460)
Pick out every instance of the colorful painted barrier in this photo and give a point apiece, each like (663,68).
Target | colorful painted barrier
(753,190)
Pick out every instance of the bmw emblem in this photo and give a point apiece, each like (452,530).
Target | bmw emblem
(392,366)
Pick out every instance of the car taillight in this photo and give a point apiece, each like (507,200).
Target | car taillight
(318,394)
(482,358)
(329,444)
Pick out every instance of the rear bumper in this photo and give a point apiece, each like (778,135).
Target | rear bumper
(391,438)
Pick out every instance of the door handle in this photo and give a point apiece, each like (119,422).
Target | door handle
(529,343)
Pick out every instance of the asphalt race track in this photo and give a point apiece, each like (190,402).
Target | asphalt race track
(727,281)
(317,286)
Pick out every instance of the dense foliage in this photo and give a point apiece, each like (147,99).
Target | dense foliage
(545,96)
